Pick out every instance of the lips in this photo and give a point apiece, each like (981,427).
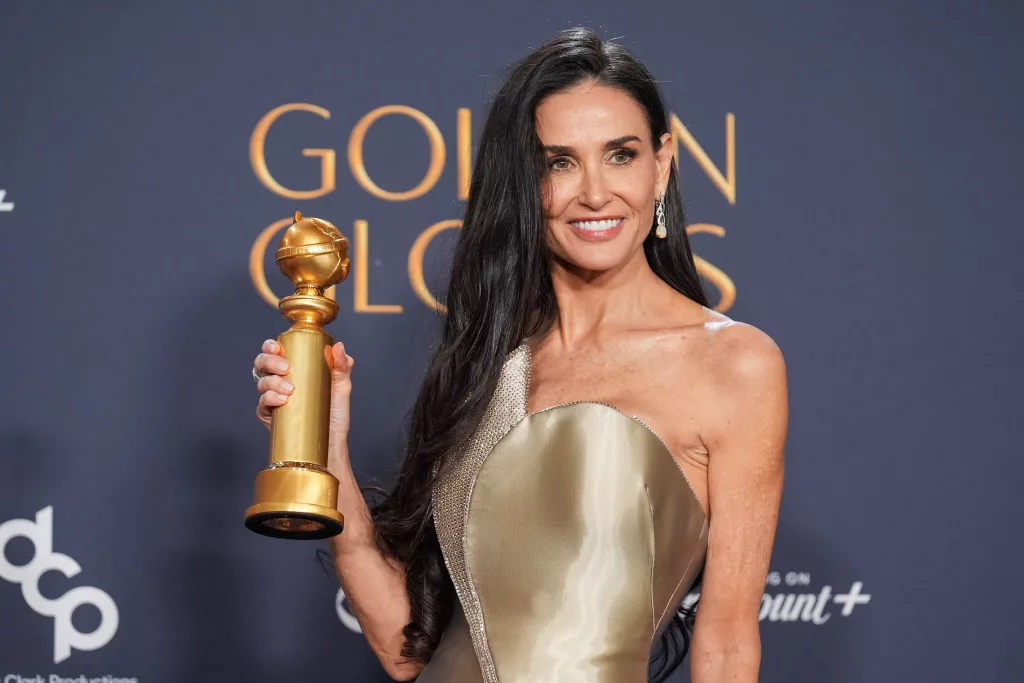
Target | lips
(596,225)
(597,230)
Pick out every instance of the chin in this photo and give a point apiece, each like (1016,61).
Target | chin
(602,258)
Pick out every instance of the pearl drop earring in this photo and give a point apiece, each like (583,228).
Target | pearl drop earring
(662,230)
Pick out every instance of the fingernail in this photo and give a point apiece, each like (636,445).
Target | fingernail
(288,386)
(285,367)
(273,345)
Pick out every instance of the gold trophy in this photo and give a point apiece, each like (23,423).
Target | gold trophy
(296,497)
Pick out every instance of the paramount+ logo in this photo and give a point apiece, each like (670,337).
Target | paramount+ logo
(65,636)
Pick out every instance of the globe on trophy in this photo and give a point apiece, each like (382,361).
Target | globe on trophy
(296,496)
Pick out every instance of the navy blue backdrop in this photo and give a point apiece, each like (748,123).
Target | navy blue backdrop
(852,174)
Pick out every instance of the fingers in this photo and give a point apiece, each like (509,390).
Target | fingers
(275,384)
(274,389)
(341,363)
(272,346)
(269,363)
(268,401)
(341,390)
(272,399)
(271,360)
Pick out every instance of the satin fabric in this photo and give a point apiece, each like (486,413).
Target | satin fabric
(581,536)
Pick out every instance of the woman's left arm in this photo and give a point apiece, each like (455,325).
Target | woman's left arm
(745,433)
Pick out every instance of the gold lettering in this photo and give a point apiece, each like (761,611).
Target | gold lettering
(258,159)
(257,255)
(726,184)
(355,153)
(416,254)
(362,274)
(715,275)
(465,147)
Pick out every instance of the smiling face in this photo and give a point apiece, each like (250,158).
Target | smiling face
(603,177)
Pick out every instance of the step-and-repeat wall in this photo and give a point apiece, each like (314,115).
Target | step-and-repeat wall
(852,174)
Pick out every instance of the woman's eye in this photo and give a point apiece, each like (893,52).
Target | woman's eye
(623,156)
(559,164)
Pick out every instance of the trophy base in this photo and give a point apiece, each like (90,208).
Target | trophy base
(295,500)
(295,521)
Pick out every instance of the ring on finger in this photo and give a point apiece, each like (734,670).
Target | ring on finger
(257,375)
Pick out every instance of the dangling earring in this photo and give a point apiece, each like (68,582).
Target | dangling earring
(662,230)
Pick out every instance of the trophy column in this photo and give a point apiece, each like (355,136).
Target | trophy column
(296,497)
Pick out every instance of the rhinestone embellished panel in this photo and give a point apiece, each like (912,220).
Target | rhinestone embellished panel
(451,494)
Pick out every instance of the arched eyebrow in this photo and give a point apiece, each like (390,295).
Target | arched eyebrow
(611,144)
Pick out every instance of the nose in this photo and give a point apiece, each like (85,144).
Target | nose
(594,191)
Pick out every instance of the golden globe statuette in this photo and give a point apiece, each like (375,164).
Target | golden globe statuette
(296,497)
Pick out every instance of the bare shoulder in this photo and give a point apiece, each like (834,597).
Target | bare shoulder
(743,353)
(745,382)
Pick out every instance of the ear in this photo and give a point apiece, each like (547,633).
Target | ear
(663,157)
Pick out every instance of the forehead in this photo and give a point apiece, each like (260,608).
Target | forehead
(590,113)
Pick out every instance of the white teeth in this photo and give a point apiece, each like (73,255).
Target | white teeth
(594,226)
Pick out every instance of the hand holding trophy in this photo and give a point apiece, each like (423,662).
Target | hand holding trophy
(296,496)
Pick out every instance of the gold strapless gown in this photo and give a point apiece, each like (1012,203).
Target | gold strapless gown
(571,535)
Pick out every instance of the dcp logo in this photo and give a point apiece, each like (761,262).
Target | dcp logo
(345,614)
(65,635)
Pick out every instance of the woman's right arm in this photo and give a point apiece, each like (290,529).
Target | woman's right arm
(374,585)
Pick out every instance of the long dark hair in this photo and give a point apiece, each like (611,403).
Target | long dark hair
(500,293)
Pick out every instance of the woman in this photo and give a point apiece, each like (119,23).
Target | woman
(590,439)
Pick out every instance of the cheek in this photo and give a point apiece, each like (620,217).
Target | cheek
(557,194)
(638,193)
